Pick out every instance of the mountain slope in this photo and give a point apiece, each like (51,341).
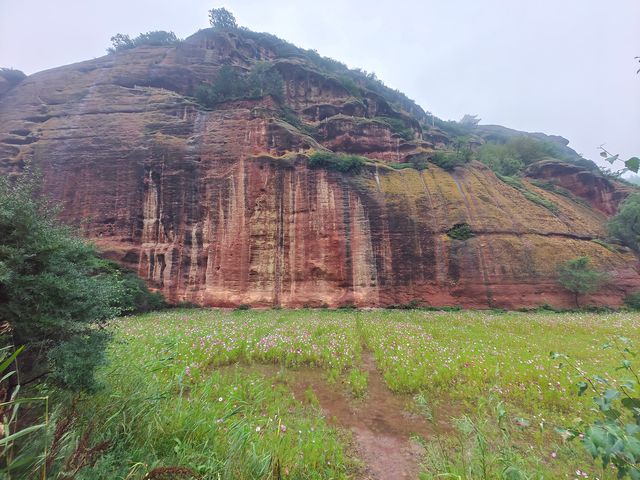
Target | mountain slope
(221,206)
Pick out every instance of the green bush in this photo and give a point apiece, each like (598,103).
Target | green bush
(231,84)
(625,225)
(500,159)
(157,38)
(401,166)
(633,301)
(52,289)
(398,127)
(134,296)
(451,160)
(513,156)
(460,231)
(12,75)
(336,161)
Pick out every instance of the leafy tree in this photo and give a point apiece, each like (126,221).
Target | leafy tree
(120,42)
(222,19)
(53,295)
(469,120)
(625,225)
(156,38)
(12,75)
(579,278)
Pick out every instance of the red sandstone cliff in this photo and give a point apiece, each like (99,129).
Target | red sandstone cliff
(220,207)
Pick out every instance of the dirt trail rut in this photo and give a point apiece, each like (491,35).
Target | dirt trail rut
(381,426)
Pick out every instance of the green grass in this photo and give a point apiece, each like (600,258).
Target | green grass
(528,194)
(184,389)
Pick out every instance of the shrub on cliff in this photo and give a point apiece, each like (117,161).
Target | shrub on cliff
(500,159)
(625,225)
(155,38)
(336,161)
(231,84)
(513,156)
(579,278)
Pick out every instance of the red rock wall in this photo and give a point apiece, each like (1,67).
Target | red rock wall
(208,208)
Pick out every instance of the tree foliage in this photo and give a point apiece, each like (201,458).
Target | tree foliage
(625,225)
(222,19)
(233,84)
(54,290)
(336,161)
(12,75)
(155,38)
(513,156)
(578,277)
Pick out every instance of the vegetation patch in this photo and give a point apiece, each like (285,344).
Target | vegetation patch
(624,227)
(553,188)
(336,161)
(632,301)
(401,166)
(157,38)
(458,158)
(460,231)
(291,117)
(528,194)
(12,75)
(398,127)
(233,84)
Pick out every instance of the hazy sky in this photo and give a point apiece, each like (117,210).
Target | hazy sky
(563,67)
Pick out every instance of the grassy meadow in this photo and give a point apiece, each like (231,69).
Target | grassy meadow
(217,394)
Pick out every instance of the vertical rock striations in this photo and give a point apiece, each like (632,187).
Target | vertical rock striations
(221,207)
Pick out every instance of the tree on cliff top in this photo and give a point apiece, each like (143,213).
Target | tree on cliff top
(579,278)
(222,19)
(156,38)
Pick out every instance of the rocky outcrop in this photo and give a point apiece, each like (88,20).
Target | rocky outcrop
(221,207)
(601,192)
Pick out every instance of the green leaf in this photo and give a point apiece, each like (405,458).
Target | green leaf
(612,158)
(5,363)
(633,164)
(582,387)
(611,394)
(25,431)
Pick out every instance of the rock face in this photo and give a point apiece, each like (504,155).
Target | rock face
(602,193)
(222,208)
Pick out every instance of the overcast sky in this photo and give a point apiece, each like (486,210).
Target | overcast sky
(562,67)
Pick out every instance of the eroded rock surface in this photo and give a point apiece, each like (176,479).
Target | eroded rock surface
(221,208)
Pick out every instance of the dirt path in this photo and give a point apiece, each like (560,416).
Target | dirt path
(381,426)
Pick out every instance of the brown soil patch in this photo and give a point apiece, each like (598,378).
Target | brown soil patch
(381,426)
